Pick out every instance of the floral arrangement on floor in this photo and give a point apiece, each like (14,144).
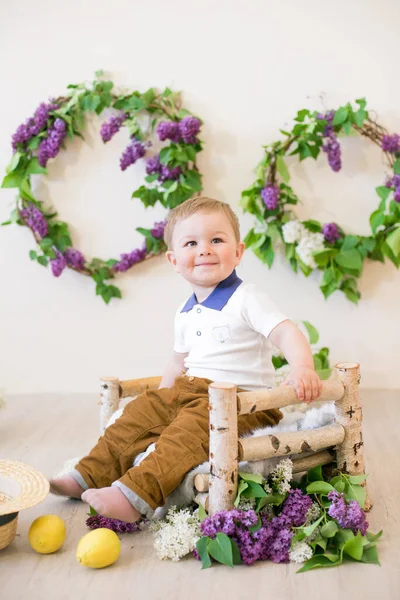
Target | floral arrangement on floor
(311,245)
(172,176)
(316,522)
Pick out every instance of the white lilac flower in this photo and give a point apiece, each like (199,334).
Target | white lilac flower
(177,534)
(313,513)
(282,475)
(300,552)
(293,231)
(309,243)
(247,503)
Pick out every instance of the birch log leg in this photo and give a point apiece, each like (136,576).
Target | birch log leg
(223,446)
(350,453)
(109,400)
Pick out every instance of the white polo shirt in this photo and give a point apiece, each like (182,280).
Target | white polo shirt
(226,335)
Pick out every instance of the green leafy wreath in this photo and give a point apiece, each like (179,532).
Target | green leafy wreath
(309,244)
(172,175)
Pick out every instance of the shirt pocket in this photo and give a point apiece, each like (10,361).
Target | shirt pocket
(221,333)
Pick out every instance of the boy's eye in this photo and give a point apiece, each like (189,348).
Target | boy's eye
(216,241)
(191,243)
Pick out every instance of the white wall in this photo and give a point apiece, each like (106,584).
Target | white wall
(245,67)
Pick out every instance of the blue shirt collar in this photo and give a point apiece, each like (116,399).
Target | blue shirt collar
(218,297)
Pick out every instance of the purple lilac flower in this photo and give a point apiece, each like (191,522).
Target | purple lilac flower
(169,130)
(49,147)
(131,154)
(33,125)
(128,260)
(391,143)
(394,182)
(331,146)
(58,264)
(270,196)
(74,258)
(158,229)
(349,516)
(153,165)
(331,232)
(97,521)
(189,127)
(112,126)
(35,219)
(271,542)
(295,507)
(168,173)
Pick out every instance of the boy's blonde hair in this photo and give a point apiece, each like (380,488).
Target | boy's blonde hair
(194,205)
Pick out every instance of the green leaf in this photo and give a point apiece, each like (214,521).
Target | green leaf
(349,242)
(254,490)
(349,259)
(99,73)
(92,511)
(35,168)
(165,155)
(370,555)
(192,180)
(313,334)
(396,167)
(383,192)
(314,474)
(14,162)
(242,486)
(373,537)
(90,102)
(32,254)
(329,530)
(282,169)
(355,492)
(201,547)
(220,549)
(340,486)
(340,115)
(255,477)
(34,143)
(319,561)
(13,180)
(42,260)
(202,513)
(357,478)
(319,487)
(354,547)
(275,499)
(393,241)
(25,190)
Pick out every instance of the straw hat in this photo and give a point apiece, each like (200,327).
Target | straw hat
(21,487)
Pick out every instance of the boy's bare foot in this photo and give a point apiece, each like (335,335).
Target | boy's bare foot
(66,486)
(111,502)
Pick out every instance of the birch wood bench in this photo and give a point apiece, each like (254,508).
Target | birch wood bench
(340,442)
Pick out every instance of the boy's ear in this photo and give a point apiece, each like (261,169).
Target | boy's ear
(239,252)
(171,259)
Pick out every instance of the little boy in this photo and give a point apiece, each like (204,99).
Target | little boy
(223,332)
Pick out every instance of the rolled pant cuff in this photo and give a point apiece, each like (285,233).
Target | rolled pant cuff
(79,479)
(136,501)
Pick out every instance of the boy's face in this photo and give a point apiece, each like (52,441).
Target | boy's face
(204,249)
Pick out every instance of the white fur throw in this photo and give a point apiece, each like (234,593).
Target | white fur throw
(295,418)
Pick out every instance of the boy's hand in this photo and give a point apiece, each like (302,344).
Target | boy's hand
(306,382)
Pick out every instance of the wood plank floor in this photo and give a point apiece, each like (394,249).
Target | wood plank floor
(46,430)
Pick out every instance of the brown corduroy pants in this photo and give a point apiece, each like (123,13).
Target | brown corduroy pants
(175,419)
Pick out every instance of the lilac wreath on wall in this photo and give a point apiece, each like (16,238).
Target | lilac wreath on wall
(171,175)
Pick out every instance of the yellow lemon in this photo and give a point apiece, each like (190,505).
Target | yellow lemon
(98,548)
(47,534)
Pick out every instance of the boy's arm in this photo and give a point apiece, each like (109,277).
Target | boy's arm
(174,368)
(293,344)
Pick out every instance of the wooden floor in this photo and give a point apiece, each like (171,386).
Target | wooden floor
(43,431)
